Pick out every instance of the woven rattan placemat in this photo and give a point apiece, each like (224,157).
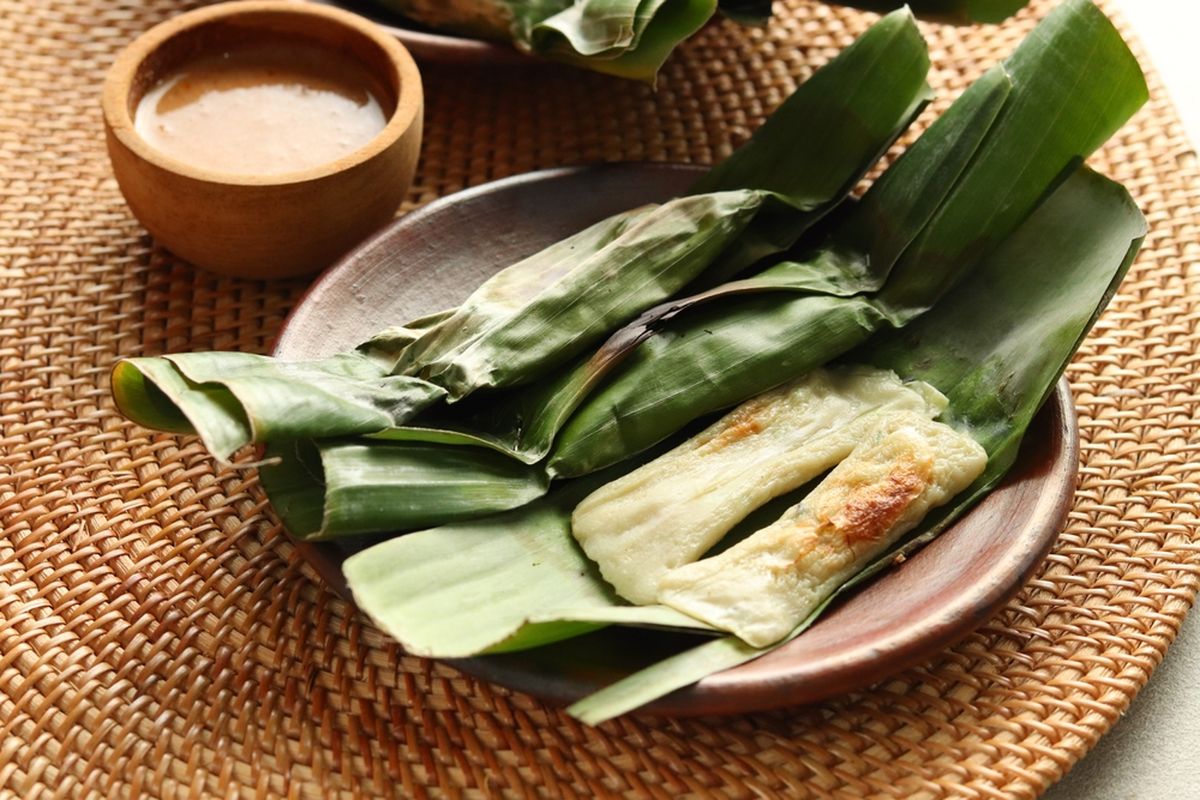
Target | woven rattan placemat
(159,637)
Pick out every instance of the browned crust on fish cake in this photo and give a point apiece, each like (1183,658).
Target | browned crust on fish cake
(742,424)
(735,433)
(873,509)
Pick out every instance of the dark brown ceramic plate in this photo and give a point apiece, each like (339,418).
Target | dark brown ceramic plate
(434,257)
(431,47)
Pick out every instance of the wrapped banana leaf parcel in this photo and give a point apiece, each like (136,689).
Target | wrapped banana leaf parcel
(632,38)
(903,341)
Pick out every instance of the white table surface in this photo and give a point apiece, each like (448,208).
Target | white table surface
(1153,752)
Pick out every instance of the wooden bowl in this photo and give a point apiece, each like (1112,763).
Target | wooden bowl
(430,260)
(268,226)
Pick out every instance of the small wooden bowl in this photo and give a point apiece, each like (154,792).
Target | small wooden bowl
(268,226)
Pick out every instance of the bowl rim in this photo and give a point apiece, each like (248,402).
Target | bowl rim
(119,82)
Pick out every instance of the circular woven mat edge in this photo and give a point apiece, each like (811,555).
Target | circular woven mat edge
(159,637)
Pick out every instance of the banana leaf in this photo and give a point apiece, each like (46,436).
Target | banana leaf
(1077,83)
(505,343)
(957,11)
(872,84)
(390,345)
(675,21)
(539,313)
(996,346)
(1074,83)
(331,488)
(605,29)
(853,259)
(509,582)
(626,38)
(508,292)
(234,399)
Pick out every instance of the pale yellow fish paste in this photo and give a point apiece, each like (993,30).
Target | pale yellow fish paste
(264,109)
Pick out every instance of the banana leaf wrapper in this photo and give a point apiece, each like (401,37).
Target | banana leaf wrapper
(521,571)
(854,259)
(888,61)
(234,399)
(332,488)
(500,338)
(1074,82)
(506,294)
(538,314)
(626,38)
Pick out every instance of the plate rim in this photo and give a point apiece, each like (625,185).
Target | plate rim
(723,693)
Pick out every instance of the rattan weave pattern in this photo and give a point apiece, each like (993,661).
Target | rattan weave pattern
(160,638)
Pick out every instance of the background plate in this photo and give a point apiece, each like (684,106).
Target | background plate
(432,259)
(431,47)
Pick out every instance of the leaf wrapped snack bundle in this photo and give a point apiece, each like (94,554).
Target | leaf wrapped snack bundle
(234,399)
(333,487)
(825,311)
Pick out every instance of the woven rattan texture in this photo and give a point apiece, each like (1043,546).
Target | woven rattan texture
(160,638)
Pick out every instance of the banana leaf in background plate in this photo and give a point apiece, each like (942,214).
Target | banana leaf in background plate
(632,38)
(534,315)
